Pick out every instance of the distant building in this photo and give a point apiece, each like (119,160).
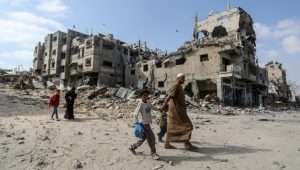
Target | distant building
(279,90)
(74,58)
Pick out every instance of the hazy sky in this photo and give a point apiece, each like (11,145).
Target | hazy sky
(164,24)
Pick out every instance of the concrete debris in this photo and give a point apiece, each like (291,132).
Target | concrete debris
(158,167)
(97,92)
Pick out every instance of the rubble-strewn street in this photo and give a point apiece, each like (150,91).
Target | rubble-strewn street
(99,139)
(152,85)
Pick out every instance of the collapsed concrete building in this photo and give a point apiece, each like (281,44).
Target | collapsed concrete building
(220,60)
(279,89)
(74,58)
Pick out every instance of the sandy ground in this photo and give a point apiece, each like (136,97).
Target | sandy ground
(30,140)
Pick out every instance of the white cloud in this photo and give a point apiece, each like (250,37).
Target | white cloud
(291,44)
(52,6)
(286,33)
(287,27)
(262,30)
(20,32)
(24,27)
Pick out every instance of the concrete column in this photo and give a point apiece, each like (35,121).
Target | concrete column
(220,89)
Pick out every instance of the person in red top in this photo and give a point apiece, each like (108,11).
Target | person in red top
(54,102)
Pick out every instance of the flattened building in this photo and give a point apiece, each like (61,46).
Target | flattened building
(221,60)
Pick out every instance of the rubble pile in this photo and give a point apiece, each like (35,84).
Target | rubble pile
(118,103)
(112,103)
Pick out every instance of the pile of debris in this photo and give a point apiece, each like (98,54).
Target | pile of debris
(107,102)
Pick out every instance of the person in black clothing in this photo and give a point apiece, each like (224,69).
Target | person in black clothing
(70,99)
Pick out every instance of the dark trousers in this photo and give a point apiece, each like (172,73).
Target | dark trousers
(55,112)
(163,130)
(70,111)
(149,136)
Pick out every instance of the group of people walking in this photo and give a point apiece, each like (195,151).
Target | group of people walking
(177,125)
(54,102)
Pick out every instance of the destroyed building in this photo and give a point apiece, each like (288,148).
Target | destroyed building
(279,89)
(220,60)
(74,58)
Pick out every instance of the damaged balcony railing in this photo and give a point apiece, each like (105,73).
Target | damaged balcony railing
(231,70)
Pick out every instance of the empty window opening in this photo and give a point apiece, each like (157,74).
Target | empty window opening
(54,38)
(64,40)
(88,44)
(74,50)
(158,65)
(63,55)
(53,64)
(132,72)
(88,62)
(204,57)
(180,61)
(219,32)
(161,84)
(145,68)
(107,63)
(82,52)
(80,67)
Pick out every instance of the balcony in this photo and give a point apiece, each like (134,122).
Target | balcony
(231,71)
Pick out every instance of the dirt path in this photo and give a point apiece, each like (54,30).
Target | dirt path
(238,142)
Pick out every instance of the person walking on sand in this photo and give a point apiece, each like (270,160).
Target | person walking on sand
(179,127)
(70,100)
(144,109)
(54,102)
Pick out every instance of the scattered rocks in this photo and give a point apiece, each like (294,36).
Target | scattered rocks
(79,133)
(158,167)
(21,143)
(77,164)
(45,138)
(266,120)
(20,138)
(171,163)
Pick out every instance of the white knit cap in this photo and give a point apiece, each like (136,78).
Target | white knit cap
(180,75)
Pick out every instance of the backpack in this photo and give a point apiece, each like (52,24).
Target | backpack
(138,130)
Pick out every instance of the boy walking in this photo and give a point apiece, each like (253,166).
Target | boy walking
(54,102)
(144,109)
(162,125)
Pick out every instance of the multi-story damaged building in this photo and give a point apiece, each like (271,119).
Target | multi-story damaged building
(74,58)
(220,60)
(38,58)
(279,89)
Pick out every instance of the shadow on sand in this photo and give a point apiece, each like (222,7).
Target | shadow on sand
(82,119)
(207,153)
